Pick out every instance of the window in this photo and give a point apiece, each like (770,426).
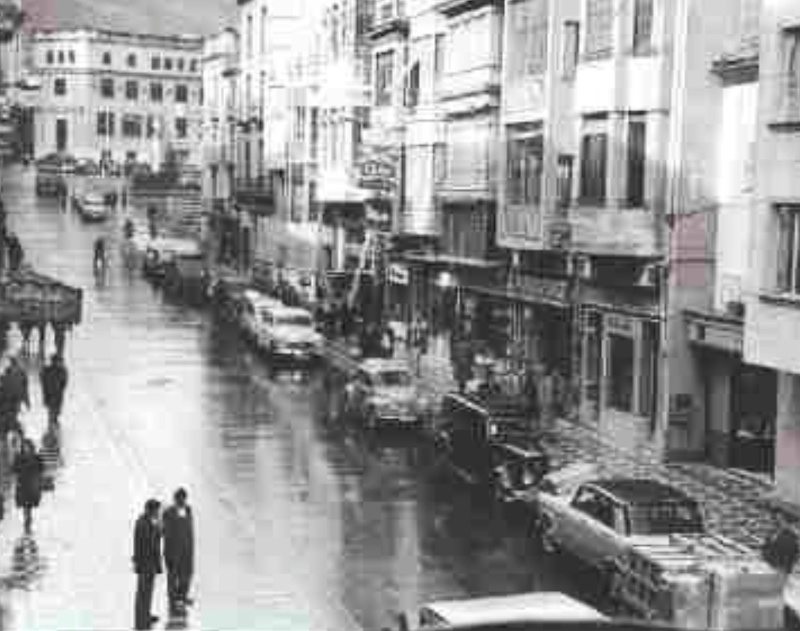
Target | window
(412,86)
(107,87)
(572,35)
(263,37)
(193,65)
(527,48)
(642,27)
(791,69)
(180,64)
(599,26)
(167,63)
(249,36)
(60,86)
(620,372)
(131,90)
(156,92)
(155,62)
(594,147)
(151,126)
(789,249)
(438,54)
(564,182)
(49,56)
(637,163)
(131,60)
(106,58)
(525,158)
(384,63)
(180,127)
(105,124)
(181,93)
(61,56)
(132,126)
(71,56)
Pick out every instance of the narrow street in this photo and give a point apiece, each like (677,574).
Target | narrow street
(299,526)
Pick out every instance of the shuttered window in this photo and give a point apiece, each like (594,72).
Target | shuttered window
(527,49)
(594,156)
(637,164)
(642,27)
(599,28)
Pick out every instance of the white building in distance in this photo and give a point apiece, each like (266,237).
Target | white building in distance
(121,95)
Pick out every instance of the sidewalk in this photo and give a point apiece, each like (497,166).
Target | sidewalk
(736,504)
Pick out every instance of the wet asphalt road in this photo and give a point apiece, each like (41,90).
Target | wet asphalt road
(299,525)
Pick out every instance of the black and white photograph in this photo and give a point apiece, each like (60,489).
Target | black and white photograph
(400,315)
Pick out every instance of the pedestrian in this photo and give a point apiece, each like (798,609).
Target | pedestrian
(530,391)
(387,341)
(29,469)
(60,335)
(99,263)
(146,562)
(463,358)
(782,549)
(179,552)
(419,340)
(54,379)
(13,395)
(16,255)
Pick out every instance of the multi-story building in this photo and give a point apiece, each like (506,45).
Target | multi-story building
(772,318)
(122,95)
(220,89)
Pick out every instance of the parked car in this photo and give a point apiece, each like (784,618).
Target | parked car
(596,523)
(92,206)
(383,391)
(160,252)
(86,166)
(186,277)
(503,610)
(520,466)
(51,171)
(254,308)
(470,428)
(288,333)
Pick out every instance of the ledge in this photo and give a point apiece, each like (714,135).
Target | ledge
(784,125)
(786,300)
(388,27)
(452,8)
(741,68)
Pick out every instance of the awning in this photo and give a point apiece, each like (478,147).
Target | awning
(716,331)
(451,260)
(516,295)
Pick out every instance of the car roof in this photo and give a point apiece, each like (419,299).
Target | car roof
(378,364)
(530,607)
(640,490)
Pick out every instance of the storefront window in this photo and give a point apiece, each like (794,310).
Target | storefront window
(621,358)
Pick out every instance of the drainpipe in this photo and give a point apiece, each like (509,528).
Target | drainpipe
(673,194)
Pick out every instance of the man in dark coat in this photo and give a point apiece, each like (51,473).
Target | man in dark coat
(179,552)
(13,395)
(146,561)
(54,379)
(15,253)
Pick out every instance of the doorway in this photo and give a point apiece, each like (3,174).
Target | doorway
(62,135)
(753,410)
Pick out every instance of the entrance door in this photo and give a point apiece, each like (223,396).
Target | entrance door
(753,409)
(61,134)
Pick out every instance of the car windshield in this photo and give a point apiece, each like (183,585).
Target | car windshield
(665,518)
(393,378)
(293,320)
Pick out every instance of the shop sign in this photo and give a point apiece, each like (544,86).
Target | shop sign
(544,289)
(398,274)
(619,324)
(377,174)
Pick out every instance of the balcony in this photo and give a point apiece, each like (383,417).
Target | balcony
(613,231)
(389,19)
(256,194)
(451,8)
(786,115)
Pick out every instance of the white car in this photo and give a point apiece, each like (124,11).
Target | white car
(93,207)
(289,333)
(255,307)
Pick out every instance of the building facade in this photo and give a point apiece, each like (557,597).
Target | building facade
(120,95)
(772,320)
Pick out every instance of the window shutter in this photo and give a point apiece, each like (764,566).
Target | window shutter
(785,243)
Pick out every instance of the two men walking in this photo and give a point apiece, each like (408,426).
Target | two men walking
(177,529)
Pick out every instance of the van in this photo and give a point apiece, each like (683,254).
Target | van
(534,607)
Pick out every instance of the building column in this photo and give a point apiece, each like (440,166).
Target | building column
(787,447)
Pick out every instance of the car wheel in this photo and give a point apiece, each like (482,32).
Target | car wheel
(544,528)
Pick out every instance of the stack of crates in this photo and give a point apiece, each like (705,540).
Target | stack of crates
(699,582)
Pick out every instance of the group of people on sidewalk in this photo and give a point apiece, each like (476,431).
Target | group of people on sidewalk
(175,526)
(27,464)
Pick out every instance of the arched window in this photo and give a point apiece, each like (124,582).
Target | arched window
(131,60)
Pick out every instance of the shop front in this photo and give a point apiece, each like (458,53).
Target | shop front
(740,400)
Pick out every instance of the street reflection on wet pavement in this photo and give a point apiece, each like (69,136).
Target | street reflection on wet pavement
(300,525)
